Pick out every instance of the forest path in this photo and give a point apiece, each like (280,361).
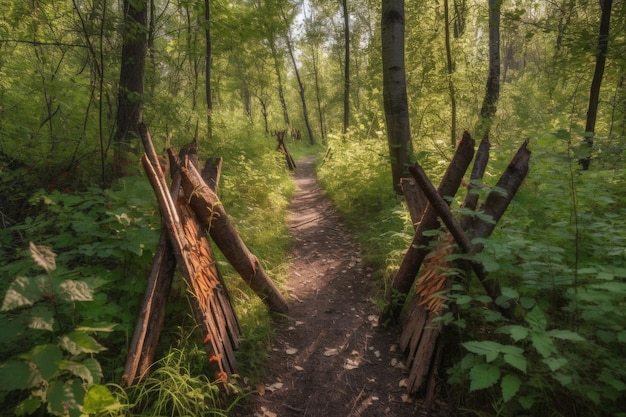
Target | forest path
(329,357)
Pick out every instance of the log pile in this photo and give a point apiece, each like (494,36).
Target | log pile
(420,338)
(189,208)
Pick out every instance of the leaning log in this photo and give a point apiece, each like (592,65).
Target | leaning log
(211,213)
(418,249)
(207,295)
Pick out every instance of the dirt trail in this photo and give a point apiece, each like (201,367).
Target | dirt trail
(329,358)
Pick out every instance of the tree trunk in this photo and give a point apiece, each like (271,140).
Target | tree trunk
(208,59)
(492,88)
(450,68)
(279,78)
(394,90)
(346,74)
(596,83)
(305,112)
(131,81)
(211,212)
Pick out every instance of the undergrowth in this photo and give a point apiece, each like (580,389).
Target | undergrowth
(559,253)
(65,334)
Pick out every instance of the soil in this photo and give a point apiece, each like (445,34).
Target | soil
(329,357)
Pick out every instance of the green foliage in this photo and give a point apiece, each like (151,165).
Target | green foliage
(54,367)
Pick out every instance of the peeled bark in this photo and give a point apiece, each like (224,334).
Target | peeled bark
(211,213)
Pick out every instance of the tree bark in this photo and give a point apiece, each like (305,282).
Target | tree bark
(492,87)
(346,74)
(213,216)
(596,83)
(305,112)
(279,78)
(131,81)
(450,69)
(208,59)
(394,89)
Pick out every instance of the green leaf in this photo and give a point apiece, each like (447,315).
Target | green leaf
(516,361)
(24,291)
(516,332)
(488,348)
(483,376)
(41,317)
(536,319)
(75,290)
(80,342)
(542,343)
(28,406)
(65,397)
(44,256)
(555,363)
(47,359)
(79,370)
(98,327)
(16,375)
(509,293)
(99,399)
(526,402)
(510,386)
(94,368)
(566,335)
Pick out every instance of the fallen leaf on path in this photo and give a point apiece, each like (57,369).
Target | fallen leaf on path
(265,413)
(291,351)
(352,364)
(331,352)
(403,383)
(261,389)
(274,387)
(406,398)
(298,368)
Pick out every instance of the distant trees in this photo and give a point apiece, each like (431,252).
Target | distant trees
(83,74)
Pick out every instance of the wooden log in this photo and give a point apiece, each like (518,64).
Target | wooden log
(211,173)
(416,201)
(478,171)
(211,213)
(189,245)
(417,251)
(500,197)
(152,314)
(149,324)
(491,286)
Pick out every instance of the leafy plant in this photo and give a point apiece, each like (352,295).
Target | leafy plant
(53,363)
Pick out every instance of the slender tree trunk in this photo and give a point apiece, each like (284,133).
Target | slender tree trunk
(318,93)
(305,112)
(131,81)
(450,67)
(596,83)
(346,75)
(492,88)
(460,10)
(279,78)
(394,90)
(207,65)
